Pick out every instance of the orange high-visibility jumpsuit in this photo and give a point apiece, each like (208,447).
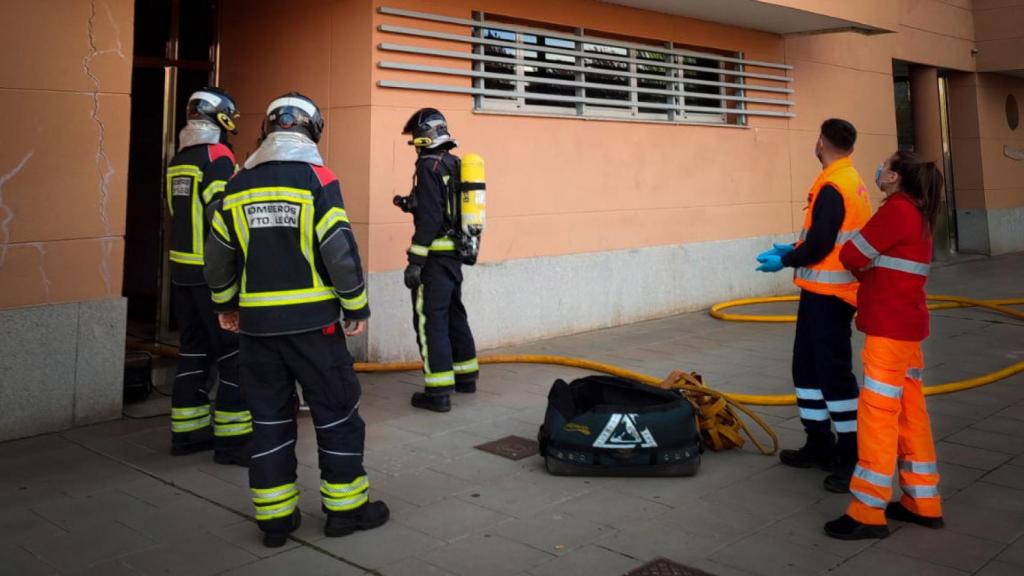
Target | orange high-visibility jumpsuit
(892,256)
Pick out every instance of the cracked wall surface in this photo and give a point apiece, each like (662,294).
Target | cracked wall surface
(65,68)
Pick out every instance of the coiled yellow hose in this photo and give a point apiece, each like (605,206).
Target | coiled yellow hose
(939,303)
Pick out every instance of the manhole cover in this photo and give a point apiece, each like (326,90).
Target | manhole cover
(511,447)
(663,567)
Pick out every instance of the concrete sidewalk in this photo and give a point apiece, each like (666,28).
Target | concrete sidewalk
(108,499)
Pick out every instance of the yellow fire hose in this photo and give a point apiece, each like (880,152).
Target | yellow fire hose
(943,303)
(718,424)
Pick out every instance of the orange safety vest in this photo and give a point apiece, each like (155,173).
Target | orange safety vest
(828,276)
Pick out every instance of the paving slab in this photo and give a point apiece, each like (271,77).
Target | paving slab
(108,499)
(486,554)
(881,562)
(943,547)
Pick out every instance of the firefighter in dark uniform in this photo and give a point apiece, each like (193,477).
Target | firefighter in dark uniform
(283,266)
(195,180)
(434,272)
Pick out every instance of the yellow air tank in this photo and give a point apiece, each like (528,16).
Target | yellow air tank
(474,195)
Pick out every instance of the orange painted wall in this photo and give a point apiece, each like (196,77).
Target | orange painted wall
(328,59)
(999,29)
(986,177)
(565,185)
(64,154)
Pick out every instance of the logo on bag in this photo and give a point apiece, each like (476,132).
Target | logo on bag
(622,432)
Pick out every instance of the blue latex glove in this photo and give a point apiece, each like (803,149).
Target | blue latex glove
(779,250)
(769,262)
(782,249)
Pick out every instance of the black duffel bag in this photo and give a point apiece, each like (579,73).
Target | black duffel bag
(608,426)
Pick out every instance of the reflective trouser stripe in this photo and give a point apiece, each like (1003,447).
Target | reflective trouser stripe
(232,423)
(915,373)
(276,502)
(467,367)
(880,480)
(845,426)
(421,327)
(919,467)
(342,497)
(440,379)
(809,394)
(883,389)
(842,405)
(921,491)
(818,415)
(190,419)
(869,499)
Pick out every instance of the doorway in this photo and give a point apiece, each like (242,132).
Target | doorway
(922,99)
(176,45)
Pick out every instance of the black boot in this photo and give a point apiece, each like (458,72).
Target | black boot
(839,480)
(846,528)
(367,517)
(277,539)
(818,452)
(897,511)
(467,387)
(433,402)
(184,448)
(232,457)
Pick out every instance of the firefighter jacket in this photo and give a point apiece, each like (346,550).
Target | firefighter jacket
(282,252)
(195,176)
(828,276)
(436,216)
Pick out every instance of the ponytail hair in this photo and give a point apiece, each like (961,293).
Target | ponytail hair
(922,181)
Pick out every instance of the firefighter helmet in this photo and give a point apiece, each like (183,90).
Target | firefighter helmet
(294,112)
(428,129)
(215,105)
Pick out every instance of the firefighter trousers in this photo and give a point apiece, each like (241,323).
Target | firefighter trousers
(826,389)
(442,327)
(322,365)
(203,344)
(894,431)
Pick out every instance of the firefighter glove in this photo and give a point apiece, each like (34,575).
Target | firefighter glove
(412,276)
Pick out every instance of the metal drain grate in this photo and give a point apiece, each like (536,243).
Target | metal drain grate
(511,447)
(664,567)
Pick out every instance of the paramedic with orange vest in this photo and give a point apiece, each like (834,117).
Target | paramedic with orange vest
(826,389)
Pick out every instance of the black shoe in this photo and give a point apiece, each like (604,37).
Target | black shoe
(367,517)
(807,458)
(433,402)
(897,511)
(278,539)
(838,482)
(846,528)
(465,387)
(231,458)
(184,448)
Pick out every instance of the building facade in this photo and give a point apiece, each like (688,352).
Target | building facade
(639,153)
